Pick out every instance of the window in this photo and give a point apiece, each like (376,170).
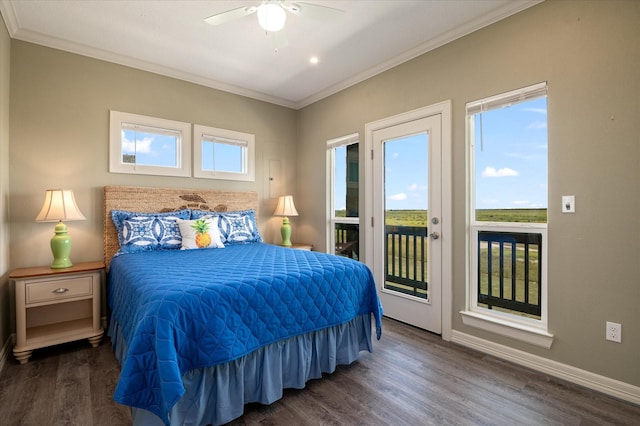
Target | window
(343,159)
(147,145)
(508,192)
(223,154)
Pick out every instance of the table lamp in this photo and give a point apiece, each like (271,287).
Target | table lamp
(285,208)
(59,205)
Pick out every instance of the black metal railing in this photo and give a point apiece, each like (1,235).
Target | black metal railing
(347,236)
(509,271)
(406,263)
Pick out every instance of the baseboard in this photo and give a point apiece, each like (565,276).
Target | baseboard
(566,372)
(5,352)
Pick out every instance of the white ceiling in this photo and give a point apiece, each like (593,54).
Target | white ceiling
(171,38)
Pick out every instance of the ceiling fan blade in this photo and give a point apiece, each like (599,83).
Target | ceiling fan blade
(230,15)
(313,11)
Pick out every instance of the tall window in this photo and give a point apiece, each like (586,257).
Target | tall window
(344,234)
(507,136)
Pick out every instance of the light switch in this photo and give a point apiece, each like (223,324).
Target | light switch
(568,204)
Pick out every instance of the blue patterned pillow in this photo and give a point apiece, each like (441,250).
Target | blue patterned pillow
(237,227)
(137,232)
(148,231)
(167,232)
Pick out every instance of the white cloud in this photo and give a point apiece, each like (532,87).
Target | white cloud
(520,202)
(398,197)
(538,125)
(413,187)
(141,146)
(538,110)
(503,172)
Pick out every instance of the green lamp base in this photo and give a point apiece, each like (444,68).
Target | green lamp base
(285,231)
(61,247)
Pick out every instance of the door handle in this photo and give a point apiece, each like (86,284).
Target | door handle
(434,235)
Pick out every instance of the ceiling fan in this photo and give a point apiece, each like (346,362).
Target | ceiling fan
(272,15)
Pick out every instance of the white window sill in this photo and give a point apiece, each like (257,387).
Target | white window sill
(522,332)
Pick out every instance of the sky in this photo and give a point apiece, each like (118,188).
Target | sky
(161,150)
(150,149)
(511,157)
(511,162)
(406,173)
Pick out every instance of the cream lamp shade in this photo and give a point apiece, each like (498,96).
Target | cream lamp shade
(59,205)
(285,208)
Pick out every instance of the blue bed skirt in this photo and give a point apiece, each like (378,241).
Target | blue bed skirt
(216,395)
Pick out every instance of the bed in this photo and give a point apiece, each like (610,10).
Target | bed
(200,333)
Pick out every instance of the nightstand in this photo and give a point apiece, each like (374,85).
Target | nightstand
(56,306)
(301,246)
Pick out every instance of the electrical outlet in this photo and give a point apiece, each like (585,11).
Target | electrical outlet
(614,332)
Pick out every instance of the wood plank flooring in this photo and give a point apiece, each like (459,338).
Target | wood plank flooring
(412,378)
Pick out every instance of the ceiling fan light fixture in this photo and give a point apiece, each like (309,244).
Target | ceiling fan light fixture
(271,17)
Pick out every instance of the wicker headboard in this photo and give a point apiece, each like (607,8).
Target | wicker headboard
(152,199)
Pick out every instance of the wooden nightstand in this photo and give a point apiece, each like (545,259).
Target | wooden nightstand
(302,246)
(56,306)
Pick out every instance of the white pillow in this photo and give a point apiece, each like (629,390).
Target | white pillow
(200,233)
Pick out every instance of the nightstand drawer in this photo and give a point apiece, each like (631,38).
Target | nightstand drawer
(43,291)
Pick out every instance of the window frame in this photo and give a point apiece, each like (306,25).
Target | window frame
(232,137)
(332,144)
(529,330)
(119,120)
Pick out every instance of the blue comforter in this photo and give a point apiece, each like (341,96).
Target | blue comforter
(184,309)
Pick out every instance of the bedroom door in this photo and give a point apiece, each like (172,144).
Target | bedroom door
(407,198)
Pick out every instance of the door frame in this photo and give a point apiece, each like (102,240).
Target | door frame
(444,110)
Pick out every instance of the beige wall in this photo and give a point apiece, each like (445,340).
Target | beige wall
(59,138)
(589,53)
(5,294)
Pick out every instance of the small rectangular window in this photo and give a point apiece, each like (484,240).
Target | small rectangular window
(223,154)
(147,145)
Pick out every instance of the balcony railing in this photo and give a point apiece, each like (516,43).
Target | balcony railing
(508,268)
(347,236)
(509,271)
(406,266)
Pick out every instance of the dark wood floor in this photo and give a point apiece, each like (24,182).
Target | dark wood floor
(412,378)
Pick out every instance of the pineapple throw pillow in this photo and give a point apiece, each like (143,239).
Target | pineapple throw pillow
(200,233)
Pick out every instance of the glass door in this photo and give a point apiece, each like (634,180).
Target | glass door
(407,194)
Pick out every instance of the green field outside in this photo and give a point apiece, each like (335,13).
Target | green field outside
(419,217)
